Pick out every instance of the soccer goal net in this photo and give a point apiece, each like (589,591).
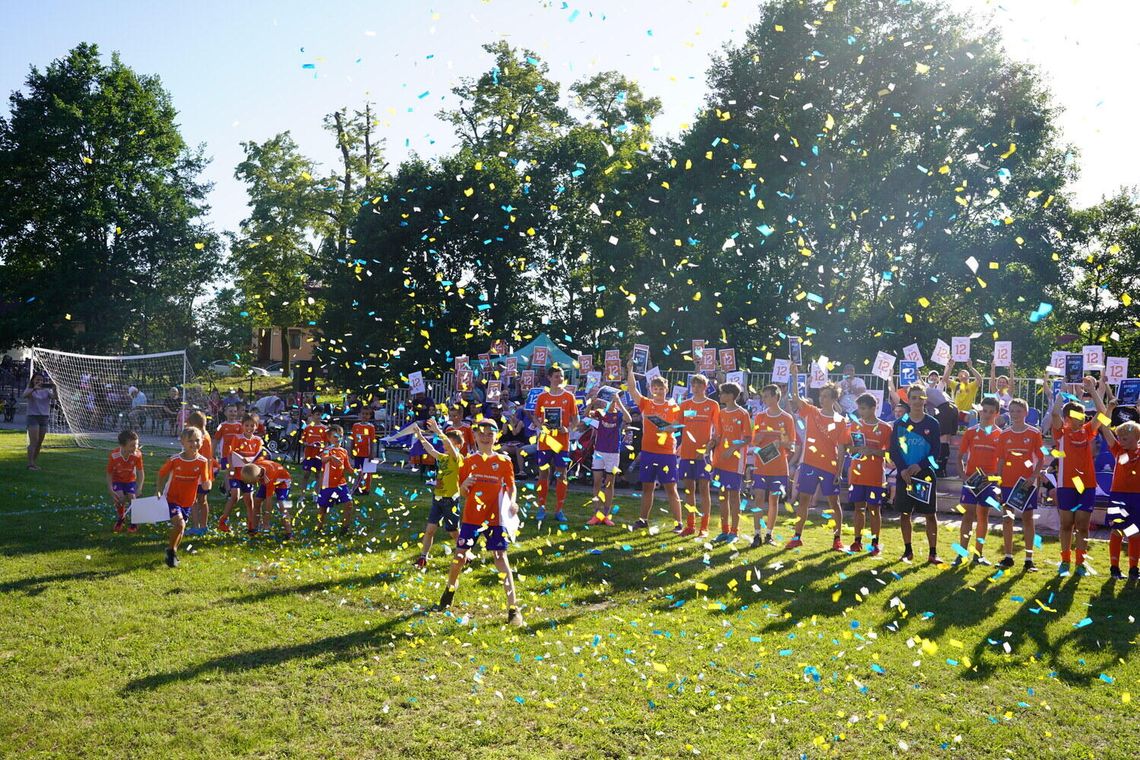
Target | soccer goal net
(97,397)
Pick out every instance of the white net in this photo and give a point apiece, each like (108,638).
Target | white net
(99,396)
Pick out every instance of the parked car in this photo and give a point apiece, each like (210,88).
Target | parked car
(223,368)
(274,369)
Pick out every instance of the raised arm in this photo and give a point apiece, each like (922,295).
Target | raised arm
(794,399)
(631,383)
(432,451)
(626,417)
(947,372)
(974,372)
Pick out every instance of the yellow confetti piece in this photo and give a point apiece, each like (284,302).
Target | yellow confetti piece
(199,246)
(921,68)
(469,192)
(1010,152)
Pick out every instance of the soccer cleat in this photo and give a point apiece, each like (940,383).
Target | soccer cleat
(688,531)
(515,618)
(1007,561)
(1114,571)
(678,529)
(730,538)
(856,547)
(1134,573)
(641,524)
(837,546)
(768,540)
(171,558)
(980,560)
(445,600)
(908,556)
(875,550)
(421,561)
(757,541)
(795,543)
(1082,570)
(1063,569)
(132,528)
(595,520)
(608,521)
(223,525)
(560,516)
(934,559)
(540,515)
(957,561)
(1030,567)
(118,526)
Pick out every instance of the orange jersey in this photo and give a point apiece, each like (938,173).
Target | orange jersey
(1126,474)
(124,469)
(207,449)
(1019,455)
(314,437)
(249,447)
(226,434)
(494,478)
(335,467)
(654,440)
(185,476)
(823,434)
(699,419)
(468,437)
(274,474)
(1076,462)
(868,470)
(768,428)
(980,447)
(565,401)
(734,434)
(363,435)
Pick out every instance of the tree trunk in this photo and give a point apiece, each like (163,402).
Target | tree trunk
(284,351)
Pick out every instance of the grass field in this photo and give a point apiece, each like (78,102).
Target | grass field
(636,644)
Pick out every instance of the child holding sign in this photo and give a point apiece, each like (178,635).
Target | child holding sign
(699,416)
(1076,474)
(730,455)
(1019,461)
(773,441)
(178,482)
(979,466)
(555,412)
(870,441)
(659,418)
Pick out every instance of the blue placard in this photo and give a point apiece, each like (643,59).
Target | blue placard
(1074,368)
(532,398)
(1129,391)
(908,373)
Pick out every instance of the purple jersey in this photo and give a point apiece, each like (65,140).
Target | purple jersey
(609,433)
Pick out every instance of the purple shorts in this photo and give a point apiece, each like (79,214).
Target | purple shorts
(557,460)
(336,495)
(810,478)
(311,464)
(1123,510)
(129,489)
(727,480)
(241,485)
(177,511)
(777,484)
(358,462)
(986,497)
(1068,500)
(281,493)
(872,496)
(494,536)
(695,469)
(658,468)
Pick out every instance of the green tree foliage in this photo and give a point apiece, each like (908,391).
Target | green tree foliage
(224,328)
(102,242)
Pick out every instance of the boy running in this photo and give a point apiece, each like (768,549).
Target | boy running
(554,441)
(444,509)
(363,436)
(125,476)
(699,416)
(870,442)
(201,512)
(224,437)
(729,457)
(1019,456)
(486,485)
(772,427)
(335,471)
(914,441)
(313,438)
(825,435)
(979,454)
(178,482)
(658,447)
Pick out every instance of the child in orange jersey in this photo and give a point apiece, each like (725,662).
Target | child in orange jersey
(866,490)
(200,517)
(729,457)
(774,434)
(1020,456)
(273,482)
(363,436)
(125,476)
(979,456)
(1124,513)
(333,484)
(699,416)
(178,482)
(245,449)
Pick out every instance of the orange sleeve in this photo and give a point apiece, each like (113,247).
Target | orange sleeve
(166,468)
(110,458)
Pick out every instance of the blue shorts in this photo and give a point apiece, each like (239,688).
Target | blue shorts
(494,536)
(444,512)
(1126,512)
(127,489)
(177,511)
(727,480)
(311,464)
(810,478)
(558,460)
(337,495)
(241,485)
(281,493)
(777,484)
(1068,500)
(695,469)
(870,495)
(985,497)
(658,468)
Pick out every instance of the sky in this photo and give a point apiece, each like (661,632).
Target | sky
(240,71)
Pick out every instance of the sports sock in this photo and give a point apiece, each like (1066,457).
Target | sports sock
(1080,557)
(1115,542)
(1134,551)
(704,522)
(690,520)
(543,487)
(560,492)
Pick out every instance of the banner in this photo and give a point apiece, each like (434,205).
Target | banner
(884,366)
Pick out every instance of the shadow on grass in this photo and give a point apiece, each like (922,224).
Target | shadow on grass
(328,650)
(34,586)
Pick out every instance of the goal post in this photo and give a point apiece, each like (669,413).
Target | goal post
(100,396)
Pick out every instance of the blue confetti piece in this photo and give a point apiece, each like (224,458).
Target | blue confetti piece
(785,652)
(1107,678)
(878,669)
(1083,623)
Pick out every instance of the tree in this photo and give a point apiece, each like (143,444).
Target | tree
(102,242)
(223,328)
(361,162)
(861,166)
(274,251)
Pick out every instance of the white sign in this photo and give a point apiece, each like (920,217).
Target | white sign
(884,366)
(736,378)
(941,353)
(416,382)
(509,516)
(960,349)
(651,373)
(878,394)
(370,465)
(912,353)
(1057,362)
(1116,369)
(149,509)
(818,373)
(781,371)
(679,393)
(593,380)
(1094,357)
(1003,353)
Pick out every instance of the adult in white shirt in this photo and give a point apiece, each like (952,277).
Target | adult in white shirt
(850,388)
